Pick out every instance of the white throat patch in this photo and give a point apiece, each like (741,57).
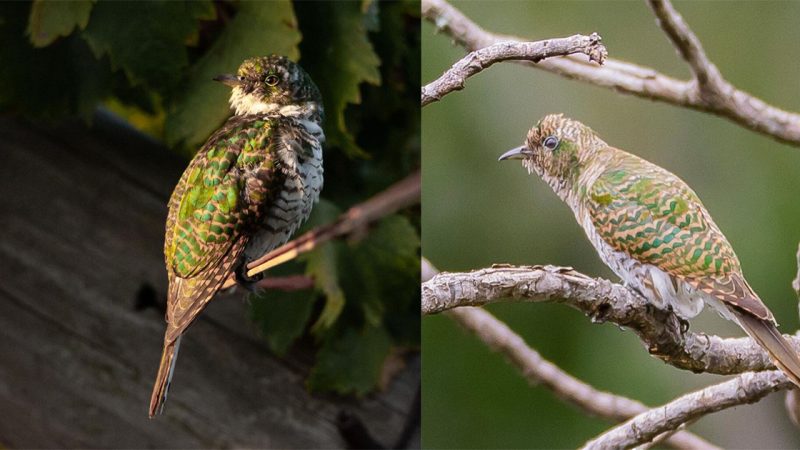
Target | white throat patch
(243,103)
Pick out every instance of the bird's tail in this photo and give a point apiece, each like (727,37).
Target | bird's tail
(767,335)
(165,369)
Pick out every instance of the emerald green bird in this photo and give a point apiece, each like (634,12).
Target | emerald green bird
(248,188)
(651,229)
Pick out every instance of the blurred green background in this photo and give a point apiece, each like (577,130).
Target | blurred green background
(478,212)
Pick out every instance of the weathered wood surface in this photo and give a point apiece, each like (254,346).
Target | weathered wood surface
(81,223)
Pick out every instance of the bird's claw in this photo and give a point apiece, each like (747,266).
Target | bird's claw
(247,282)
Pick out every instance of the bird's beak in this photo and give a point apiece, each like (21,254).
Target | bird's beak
(230,80)
(520,152)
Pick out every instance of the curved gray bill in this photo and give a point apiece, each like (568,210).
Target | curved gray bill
(515,153)
(230,80)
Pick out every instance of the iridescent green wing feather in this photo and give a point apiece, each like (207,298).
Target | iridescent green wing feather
(650,214)
(211,211)
(653,216)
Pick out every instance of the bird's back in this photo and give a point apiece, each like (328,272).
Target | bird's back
(643,216)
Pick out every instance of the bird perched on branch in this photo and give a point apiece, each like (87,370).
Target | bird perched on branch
(248,188)
(651,229)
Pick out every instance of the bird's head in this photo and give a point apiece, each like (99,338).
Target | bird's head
(273,84)
(557,147)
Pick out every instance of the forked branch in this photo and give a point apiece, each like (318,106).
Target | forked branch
(500,338)
(480,59)
(707,91)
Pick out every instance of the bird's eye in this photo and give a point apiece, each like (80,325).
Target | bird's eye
(272,80)
(550,142)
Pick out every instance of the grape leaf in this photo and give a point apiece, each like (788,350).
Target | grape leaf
(60,79)
(50,20)
(383,269)
(350,363)
(322,266)
(258,29)
(147,40)
(339,57)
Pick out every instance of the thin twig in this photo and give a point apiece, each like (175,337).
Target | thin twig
(603,301)
(537,370)
(746,388)
(738,106)
(687,44)
(288,283)
(478,60)
(404,193)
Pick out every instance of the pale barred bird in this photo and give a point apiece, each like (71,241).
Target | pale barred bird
(651,229)
(249,187)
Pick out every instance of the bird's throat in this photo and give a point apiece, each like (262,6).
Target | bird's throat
(246,103)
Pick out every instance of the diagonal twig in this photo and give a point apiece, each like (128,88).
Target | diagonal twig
(404,193)
(738,106)
(745,388)
(478,60)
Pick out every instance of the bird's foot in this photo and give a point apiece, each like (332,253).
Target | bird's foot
(247,282)
(684,324)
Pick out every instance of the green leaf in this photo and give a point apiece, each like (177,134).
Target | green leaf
(63,78)
(50,20)
(322,266)
(350,363)
(282,316)
(258,29)
(147,40)
(383,270)
(339,57)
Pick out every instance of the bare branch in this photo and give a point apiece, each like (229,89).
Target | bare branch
(746,388)
(404,193)
(738,106)
(603,301)
(476,61)
(537,370)
(288,283)
(687,44)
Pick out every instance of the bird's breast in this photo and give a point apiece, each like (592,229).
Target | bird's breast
(302,183)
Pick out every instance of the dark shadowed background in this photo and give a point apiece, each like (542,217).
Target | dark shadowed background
(478,212)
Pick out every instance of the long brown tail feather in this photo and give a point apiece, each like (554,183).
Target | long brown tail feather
(165,369)
(767,335)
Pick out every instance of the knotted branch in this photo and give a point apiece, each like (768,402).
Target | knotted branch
(707,91)
(537,370)
(478,60)
(661,332)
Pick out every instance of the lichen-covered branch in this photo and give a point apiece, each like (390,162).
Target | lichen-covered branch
(709,92)
(480,59)
(500,338)
(662,332)
(746,388)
